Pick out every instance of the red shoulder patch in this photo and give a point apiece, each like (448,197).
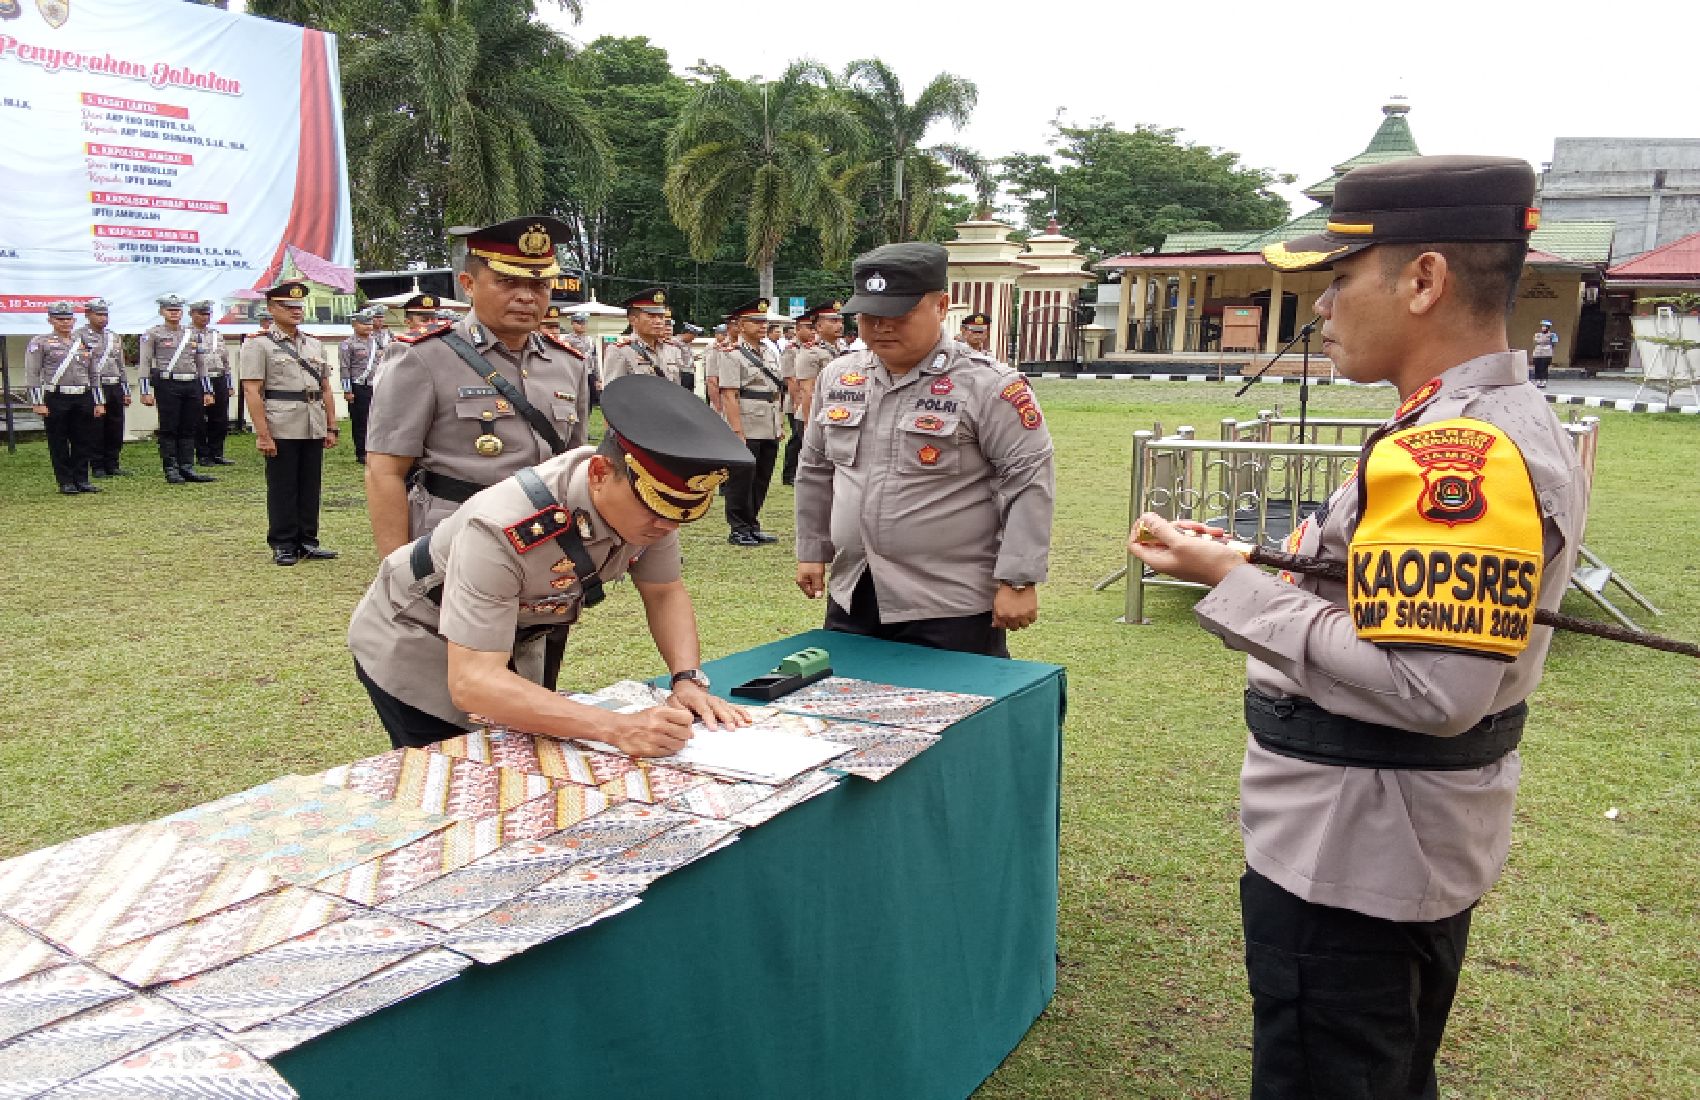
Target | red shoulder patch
(1020,397)
(561,343)
(436,328)
(538,528)
(1419,397)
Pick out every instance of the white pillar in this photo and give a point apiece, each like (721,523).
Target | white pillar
(1124,316)
(1272,322)
(1183,311)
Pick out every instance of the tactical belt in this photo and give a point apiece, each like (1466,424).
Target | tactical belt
(419,558)
(1299,728)
(758,395)
(291,395)
(70,391)
(444,487)
(161,376)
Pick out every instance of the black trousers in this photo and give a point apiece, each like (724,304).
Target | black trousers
(292,493)
(963,633)
(1345,1006)
(179,405)
(359,408)
(70,425)
(746,490)
(793,451)
(1540,368)
(109,433)
(215,423)
(408,726)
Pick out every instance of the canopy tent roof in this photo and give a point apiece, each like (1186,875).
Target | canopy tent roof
(396,301)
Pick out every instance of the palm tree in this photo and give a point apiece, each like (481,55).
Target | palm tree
(449,107)
(766,150)
(897,128)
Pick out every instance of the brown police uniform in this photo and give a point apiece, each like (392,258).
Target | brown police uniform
(59,373)
(753,372)
(630,355)
(434,407)
(1378,785)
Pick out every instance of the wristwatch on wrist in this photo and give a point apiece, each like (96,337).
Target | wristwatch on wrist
(1015,587)
(695,675)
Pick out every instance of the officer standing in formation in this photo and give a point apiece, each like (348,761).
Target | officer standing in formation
(535,553)
(647,350)
(750,388)
(805,330)
(463,405)
(105,350)
(828,320)
(287,386)
(419,311)
(1377,791)
(976,332)
(927,477)
(357,361)
(215,422)
(66,395)
(172,377)
(687,353)
(578,338)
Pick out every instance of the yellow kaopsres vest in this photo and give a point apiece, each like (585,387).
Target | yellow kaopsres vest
(1447,552)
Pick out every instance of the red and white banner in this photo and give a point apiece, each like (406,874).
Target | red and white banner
(157,148)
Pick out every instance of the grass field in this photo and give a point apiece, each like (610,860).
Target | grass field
(152,657)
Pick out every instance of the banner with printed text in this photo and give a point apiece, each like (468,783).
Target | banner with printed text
(161,148)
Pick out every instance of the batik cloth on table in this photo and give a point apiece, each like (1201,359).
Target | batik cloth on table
(112,887)
(22,952)
(301,830)
(792,794)
(49,995)
(536,754)
(430,858)
(50,1056)
(222,937)
(847,699)
(436,783)
(880,750)
(193,1064)
(293,974)
(574,899)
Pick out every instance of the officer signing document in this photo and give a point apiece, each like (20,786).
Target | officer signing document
(433,636)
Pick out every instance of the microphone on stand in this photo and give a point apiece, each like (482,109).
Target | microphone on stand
(1304,334)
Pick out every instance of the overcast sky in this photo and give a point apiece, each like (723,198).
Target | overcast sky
(1291,87)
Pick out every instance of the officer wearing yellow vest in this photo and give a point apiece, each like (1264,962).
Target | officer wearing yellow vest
(1378,785)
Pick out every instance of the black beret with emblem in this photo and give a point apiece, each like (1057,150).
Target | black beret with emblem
(976,320)
(891,279)
(755,307)
(421,303)
(290,290)
(674,448)
(1419,200)
(524,247)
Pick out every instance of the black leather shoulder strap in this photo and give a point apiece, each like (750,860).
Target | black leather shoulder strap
(539,423)
(569,539)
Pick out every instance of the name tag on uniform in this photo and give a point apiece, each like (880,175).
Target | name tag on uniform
(478,391)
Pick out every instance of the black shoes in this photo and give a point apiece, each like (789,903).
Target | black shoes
(762,537)
(218,460)
(173,476)
(85,487)
(189,473)
(284,557)
(69,490)
(743,538)
(314,553)
(116,472)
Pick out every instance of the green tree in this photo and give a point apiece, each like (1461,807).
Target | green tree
(1125,190)
(896,129)
(449,105)
(763,151)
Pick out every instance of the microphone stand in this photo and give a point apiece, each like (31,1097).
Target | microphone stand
(1304,379)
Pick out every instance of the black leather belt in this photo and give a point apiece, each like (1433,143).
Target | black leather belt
(291,395)
(1299,728)
(444,487)
(758,395)
(420,560)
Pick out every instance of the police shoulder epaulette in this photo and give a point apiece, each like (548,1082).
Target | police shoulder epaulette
(538,528)
(562,344)
(435,329)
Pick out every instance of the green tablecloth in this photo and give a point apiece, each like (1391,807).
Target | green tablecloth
(890,940)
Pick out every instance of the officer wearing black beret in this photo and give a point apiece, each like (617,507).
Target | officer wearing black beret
(927,478)
(533,554)
(1378,786)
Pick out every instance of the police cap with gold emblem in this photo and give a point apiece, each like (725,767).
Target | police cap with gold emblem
(755,307)
(977,321)
(421,303)
(674,448)
(292,291)
(1419,200)
(524,247)
(553,313)
(649,300)
(830,307)
(892,278)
